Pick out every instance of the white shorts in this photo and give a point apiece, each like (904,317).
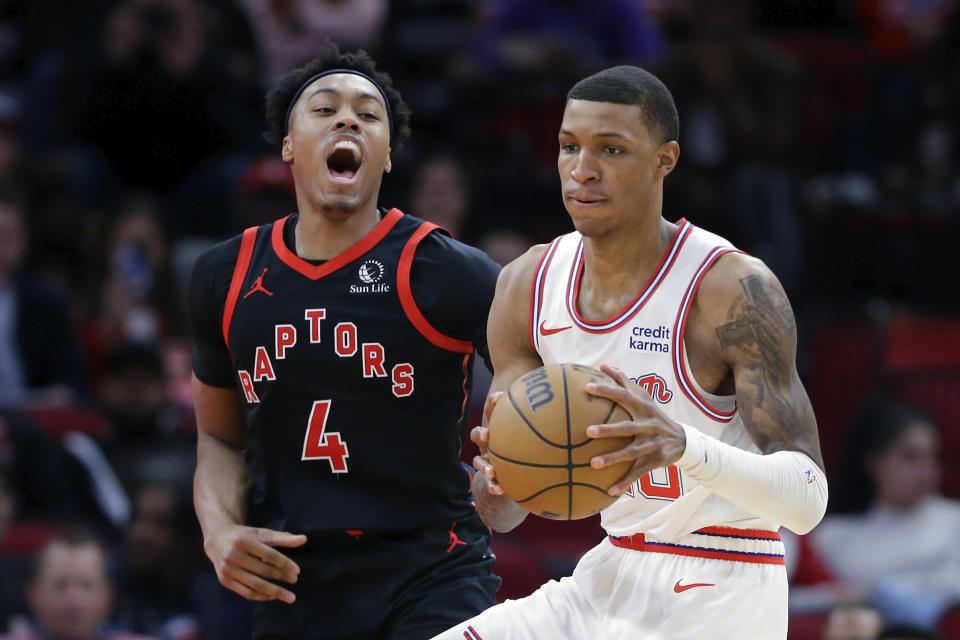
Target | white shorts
(716,583)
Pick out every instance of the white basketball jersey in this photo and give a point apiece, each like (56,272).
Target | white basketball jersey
(645,341)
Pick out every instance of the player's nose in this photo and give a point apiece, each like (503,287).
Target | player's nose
(348,121)
(583,169)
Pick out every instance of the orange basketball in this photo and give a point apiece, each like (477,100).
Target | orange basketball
(538,445)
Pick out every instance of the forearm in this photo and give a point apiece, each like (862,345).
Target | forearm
(498,512)
(785,486)
(220,484)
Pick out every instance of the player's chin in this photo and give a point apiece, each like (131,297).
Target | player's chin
(590,226)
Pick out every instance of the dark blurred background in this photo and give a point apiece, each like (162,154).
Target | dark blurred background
(820,136)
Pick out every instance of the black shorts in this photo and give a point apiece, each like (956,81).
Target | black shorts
(384,586)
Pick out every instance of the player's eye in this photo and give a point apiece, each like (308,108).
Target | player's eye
(324,110)
(614,151)
(569,148)
(369,116)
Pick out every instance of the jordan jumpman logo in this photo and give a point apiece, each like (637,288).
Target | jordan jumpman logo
(454,539)
(258,285)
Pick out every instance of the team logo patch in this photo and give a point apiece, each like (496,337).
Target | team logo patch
(656,386)
(371,271)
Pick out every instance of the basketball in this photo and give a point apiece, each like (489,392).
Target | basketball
(539,448)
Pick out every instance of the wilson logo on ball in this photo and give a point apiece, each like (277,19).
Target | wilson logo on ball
(538,389)
(371,271)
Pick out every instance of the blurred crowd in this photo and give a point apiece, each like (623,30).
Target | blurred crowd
(821,136)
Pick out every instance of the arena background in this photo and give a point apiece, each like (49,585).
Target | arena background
(819,136)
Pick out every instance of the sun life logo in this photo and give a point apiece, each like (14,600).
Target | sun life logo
(371,271)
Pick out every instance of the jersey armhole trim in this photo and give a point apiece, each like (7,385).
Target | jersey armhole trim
(236,283)
(408,302)
(687,384)
(536,292)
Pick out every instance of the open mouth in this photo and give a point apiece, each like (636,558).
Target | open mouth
(345,160)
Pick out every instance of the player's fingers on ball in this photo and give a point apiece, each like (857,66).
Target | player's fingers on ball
(616,374)
(613,429)
(639,451)
(481,464)
(491,402)
(480,436)
(617,394)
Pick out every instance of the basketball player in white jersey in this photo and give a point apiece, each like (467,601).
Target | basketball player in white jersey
(701,340)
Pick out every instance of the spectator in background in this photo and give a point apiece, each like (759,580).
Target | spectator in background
(166,588)
(887,499)
(440,194)
(40,357)
(134,296)
(853,622)
(9,145)
(14,568)
(69,593)
(568,36)
(149,439)
(169,105)
(906,632)
(290,31)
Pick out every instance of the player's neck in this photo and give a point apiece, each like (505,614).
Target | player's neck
(618,265)
(635,249)
(321,235)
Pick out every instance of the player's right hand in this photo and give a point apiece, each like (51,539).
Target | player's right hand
(247,562)
(480,437)
(496,508)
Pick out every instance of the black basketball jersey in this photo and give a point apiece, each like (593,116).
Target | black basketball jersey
(353,399)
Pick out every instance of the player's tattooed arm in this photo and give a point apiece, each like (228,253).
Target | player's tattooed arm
(758,341)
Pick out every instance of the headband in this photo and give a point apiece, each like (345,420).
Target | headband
(296,96)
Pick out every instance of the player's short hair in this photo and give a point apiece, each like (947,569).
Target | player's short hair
(329,57)
(626,84)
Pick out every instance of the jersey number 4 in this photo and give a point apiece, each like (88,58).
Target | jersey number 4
(320,444)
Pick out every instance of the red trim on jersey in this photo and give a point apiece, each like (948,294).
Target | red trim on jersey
(236,283)
(637,542)
(317,271)
(624,315)
(687,384)
(409,305)
(733,532)
(466,392)
(536,290)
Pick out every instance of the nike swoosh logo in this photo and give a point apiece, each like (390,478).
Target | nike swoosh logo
(680,588)
(549,332)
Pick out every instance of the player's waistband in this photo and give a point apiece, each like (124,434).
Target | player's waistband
(757,546)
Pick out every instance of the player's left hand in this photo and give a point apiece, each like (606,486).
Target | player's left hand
(658,441)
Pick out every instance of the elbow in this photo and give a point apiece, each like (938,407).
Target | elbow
(812,512)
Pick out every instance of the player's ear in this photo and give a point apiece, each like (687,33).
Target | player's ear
(389,164)
(286,151)
(667,156)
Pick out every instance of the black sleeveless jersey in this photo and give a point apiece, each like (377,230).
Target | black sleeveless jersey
(354,400)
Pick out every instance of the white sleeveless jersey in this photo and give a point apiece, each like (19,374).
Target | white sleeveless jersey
(645,341)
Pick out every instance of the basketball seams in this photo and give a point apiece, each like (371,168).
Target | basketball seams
(566,406)
(606,420)
(527,422)
(545,480)
(540,492)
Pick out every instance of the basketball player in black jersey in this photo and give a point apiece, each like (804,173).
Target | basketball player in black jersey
(330,382)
